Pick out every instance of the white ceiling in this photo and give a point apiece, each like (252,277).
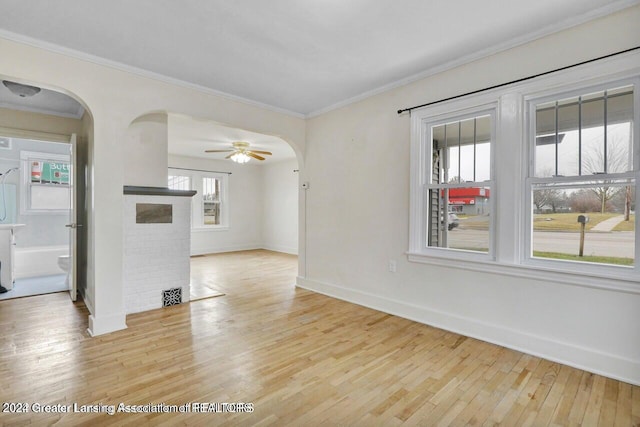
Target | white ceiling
(300,56)
(190,137)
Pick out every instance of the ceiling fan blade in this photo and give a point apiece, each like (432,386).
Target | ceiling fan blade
(217,151)
(255,156)
(229,156)
(262,152)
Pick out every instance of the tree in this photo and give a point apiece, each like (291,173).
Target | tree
(547,197)
(584,201)
(617,160)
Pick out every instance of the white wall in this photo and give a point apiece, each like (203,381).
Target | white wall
(280,213)
(145,162)
(357,163)
(263,206)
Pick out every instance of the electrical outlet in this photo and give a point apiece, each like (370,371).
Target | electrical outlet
(392,265)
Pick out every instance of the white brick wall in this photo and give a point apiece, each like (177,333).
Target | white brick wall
(156,256)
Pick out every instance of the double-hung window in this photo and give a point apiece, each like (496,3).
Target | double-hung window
(210,204)
(453,202)
(583,176)
(535,179)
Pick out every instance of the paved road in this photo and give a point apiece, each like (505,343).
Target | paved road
(615,244)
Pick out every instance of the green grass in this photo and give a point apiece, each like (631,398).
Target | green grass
(551,222)
(567,221)
(626,225)
(587,258)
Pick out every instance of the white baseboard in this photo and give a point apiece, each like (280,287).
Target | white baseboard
(106,324)
(217,250)
(284,249)
(587,359)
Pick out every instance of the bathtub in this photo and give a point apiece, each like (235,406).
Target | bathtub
(37,261)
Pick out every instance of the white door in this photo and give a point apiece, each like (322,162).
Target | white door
(73,222)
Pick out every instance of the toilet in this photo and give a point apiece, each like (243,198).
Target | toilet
(64,262)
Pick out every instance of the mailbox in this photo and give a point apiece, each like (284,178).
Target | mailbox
(583,219)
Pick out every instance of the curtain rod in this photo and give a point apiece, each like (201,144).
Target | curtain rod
(519,80)
(198,170)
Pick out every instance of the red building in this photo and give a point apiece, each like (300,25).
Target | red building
(470,201)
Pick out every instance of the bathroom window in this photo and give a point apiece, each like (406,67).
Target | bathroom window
(45,183)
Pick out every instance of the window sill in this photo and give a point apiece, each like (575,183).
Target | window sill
(210,228)
(63,212)
(623,281)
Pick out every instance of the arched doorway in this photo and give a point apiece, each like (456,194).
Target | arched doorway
(44,143)
(244,214)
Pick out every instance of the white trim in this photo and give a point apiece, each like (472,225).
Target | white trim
(52,47)
(574,90)
(620,280)
(291,250)
(421,172)
(236,248)
(206,228)
(26,157)
(106,324)
(588,359)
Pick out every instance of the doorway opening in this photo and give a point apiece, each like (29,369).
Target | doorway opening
(42,137)
(246,205)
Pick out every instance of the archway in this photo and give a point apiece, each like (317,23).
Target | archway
(39,175)
(253,205)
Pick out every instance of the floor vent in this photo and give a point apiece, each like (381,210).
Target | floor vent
(171,297)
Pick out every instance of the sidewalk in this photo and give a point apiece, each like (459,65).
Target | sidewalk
(609,224)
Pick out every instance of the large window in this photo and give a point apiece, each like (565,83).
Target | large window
(455,194)
(210,204)
(582,182)
(536,179)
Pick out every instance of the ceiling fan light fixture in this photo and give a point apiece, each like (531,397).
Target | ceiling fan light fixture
(23,91)
(240,157)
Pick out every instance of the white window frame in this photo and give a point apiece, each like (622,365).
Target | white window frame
(26,157)
(197,202)
(511,157)
(531,179)
(422,165)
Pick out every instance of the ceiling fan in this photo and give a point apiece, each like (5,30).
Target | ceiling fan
(241,152)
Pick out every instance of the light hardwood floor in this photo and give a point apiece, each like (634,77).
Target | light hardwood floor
(301,358)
